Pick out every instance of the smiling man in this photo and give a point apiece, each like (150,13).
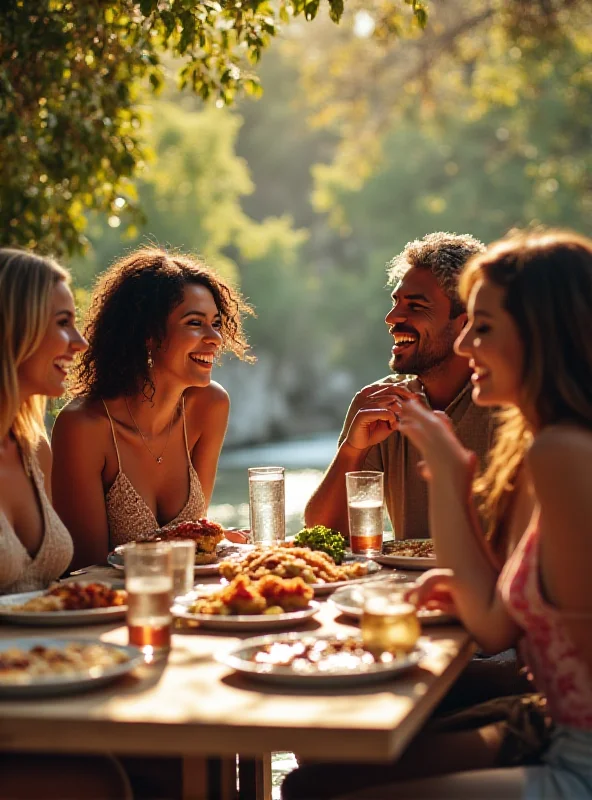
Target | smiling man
(424,321)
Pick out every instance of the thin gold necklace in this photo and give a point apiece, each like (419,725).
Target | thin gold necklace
(158,459)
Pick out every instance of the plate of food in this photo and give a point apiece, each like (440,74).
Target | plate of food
(65,604)
(246,604)
(37,666)
(210,545)
(316,568)
(315,661)
(349,601)
(408,554)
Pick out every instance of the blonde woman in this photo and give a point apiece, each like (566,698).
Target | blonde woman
(38,342)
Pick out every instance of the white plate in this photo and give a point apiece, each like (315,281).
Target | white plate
(74,682)
(246,622)
(51,618)
(327,588)
(406,562)
(349,603)
(225,550)
(239,659)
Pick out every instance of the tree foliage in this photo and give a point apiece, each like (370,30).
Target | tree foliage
(70,80)
(374,74)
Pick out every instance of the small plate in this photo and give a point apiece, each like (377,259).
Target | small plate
(67,683)
(349,603)
(246,622)
(225,550)
(239,659)
(328,588)
(406,562)
(54,618)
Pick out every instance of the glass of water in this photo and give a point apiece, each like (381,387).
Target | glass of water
(183,555)
(267,504)
(365,497)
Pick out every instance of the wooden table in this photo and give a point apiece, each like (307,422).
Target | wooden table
(192,706)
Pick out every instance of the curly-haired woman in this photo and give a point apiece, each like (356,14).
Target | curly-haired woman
(138,447)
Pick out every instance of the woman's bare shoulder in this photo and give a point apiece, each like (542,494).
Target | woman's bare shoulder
(557,444)
(201,398)
(81,416)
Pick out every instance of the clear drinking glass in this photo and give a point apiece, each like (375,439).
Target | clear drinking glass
(365,498)
(389,621)
(183,556)
(267,504)
(149,586)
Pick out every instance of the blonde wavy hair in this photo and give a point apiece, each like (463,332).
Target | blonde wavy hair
(547,279)
(26,285)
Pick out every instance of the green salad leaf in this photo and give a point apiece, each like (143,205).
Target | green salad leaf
(322,538)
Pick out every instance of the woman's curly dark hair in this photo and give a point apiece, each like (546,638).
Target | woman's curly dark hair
(130,305)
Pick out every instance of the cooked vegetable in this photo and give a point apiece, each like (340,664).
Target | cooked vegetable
(321,538)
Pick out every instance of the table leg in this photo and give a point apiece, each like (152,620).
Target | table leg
(254,778)
(209,778)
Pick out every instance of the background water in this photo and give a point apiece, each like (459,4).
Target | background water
(305,461)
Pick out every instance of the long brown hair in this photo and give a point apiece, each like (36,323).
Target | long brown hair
(26,285)
(130,305)
(547,280)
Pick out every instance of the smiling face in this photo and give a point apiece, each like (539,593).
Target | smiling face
(493,346)
(45,372)
(420,324)
(192,339)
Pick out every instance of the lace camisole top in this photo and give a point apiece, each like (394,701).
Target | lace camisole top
(21,572)
(128,514)
(558,669)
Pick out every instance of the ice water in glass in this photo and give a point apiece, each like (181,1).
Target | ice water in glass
(267,504)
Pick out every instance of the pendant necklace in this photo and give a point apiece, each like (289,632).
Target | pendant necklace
(158,459)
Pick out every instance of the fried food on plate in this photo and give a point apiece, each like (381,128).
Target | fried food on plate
(74,597)
(270,595)
(203,532)
(292,562)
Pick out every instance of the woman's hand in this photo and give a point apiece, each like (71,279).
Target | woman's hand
(443,454)
(238,536)
(434,591)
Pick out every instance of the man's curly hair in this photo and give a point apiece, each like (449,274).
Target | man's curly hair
(444,254)
(130,305)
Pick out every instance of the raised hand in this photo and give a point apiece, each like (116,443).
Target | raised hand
(378,414)
(443,454)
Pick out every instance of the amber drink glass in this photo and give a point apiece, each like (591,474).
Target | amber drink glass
(149,586)
(389,621)
(365,498)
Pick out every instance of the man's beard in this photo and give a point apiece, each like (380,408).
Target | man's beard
(429,358)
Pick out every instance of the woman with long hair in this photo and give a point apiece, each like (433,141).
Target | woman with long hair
(529,302)
(137,449)
(38,343)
